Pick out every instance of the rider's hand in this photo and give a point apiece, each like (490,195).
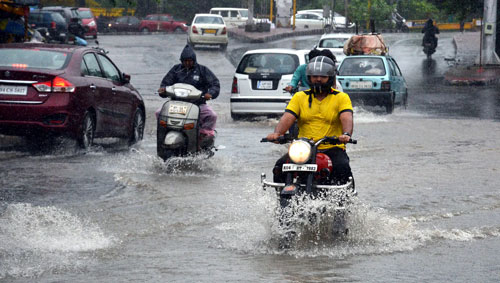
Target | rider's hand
(273,137)
(208,96)
(162,92)
(344,138)
(289,88)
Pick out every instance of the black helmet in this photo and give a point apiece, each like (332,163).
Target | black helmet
(321,66)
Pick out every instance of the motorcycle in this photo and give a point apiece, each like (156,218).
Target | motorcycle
(400,23)
(308,176)
(178,124)
(429,48)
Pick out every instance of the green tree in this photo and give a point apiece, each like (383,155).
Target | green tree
(463,9)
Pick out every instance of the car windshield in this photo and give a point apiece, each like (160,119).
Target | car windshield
(362,67)
(85,14)
(208,20)
(332,43)
(244,13)
(268,63)
(33,58)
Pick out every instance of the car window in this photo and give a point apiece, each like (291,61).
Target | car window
(56,17)
(134,20)
(362,67)
(244,13)
(109,69)
(392,68)
(92,65)
(165,18)
(33,58)
(85,14)
(224,13)
(332,43)
(398,70)
(208,20)
(215,12)
(269,63)
(301,16)
(122,20)
(152,18)
(234,14)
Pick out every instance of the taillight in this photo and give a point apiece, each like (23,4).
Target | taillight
(234,87)
(56,85)
(194,29)
(224,30)
(52,25)
(386,85)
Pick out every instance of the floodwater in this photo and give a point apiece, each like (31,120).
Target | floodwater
(427,180)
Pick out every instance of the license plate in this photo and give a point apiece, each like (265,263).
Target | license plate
(360,84)
(264,84)
(211,31)
(300,167)
(13,90)
(177,109)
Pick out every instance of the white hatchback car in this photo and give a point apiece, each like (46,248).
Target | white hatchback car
(259,80)
(208,29)
(335,43)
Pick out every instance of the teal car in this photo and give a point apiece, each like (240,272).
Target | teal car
(373,80)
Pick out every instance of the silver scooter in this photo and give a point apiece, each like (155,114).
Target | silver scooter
(178,128)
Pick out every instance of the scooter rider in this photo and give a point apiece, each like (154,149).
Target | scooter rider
(199,76)
(430,31)
(320,111)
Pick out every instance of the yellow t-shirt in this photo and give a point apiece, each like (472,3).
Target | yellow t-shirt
(322,118)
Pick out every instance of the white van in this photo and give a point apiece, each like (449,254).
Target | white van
(233,17)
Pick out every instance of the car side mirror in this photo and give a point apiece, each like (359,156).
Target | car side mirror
(126,78)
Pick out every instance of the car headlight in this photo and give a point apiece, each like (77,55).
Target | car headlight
(91,24)
(299,151)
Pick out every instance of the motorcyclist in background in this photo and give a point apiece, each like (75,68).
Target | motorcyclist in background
(299,76)
(199,76)
(430,31)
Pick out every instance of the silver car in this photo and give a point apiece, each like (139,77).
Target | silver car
(259,80)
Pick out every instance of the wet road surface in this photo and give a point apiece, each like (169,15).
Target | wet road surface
(427,179)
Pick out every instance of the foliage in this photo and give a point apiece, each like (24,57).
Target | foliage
(464,9)
(418,9)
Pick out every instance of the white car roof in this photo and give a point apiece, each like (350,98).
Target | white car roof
(227,8)
(278,50)
(209,15)
(337,35)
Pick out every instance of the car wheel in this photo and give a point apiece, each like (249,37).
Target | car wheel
(85,138)
(137,128)
(178,30)
(405,100)
(389,107)
(95,36)
(145,30)
(223,47)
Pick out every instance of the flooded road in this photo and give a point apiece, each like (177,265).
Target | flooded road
(427,178)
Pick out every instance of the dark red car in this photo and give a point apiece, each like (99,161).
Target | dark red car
(162,22)
(67,90)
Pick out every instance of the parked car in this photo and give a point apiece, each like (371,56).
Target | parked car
(233,17)
(66,12)
(88,21)
(162,22)
(374,80)
(125,23)
(51,25)
(339,21)
(309,20)
(260,79)
(66,90)
(335,43)
(208,29)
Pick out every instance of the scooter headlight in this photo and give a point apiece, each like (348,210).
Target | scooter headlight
(299,151)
